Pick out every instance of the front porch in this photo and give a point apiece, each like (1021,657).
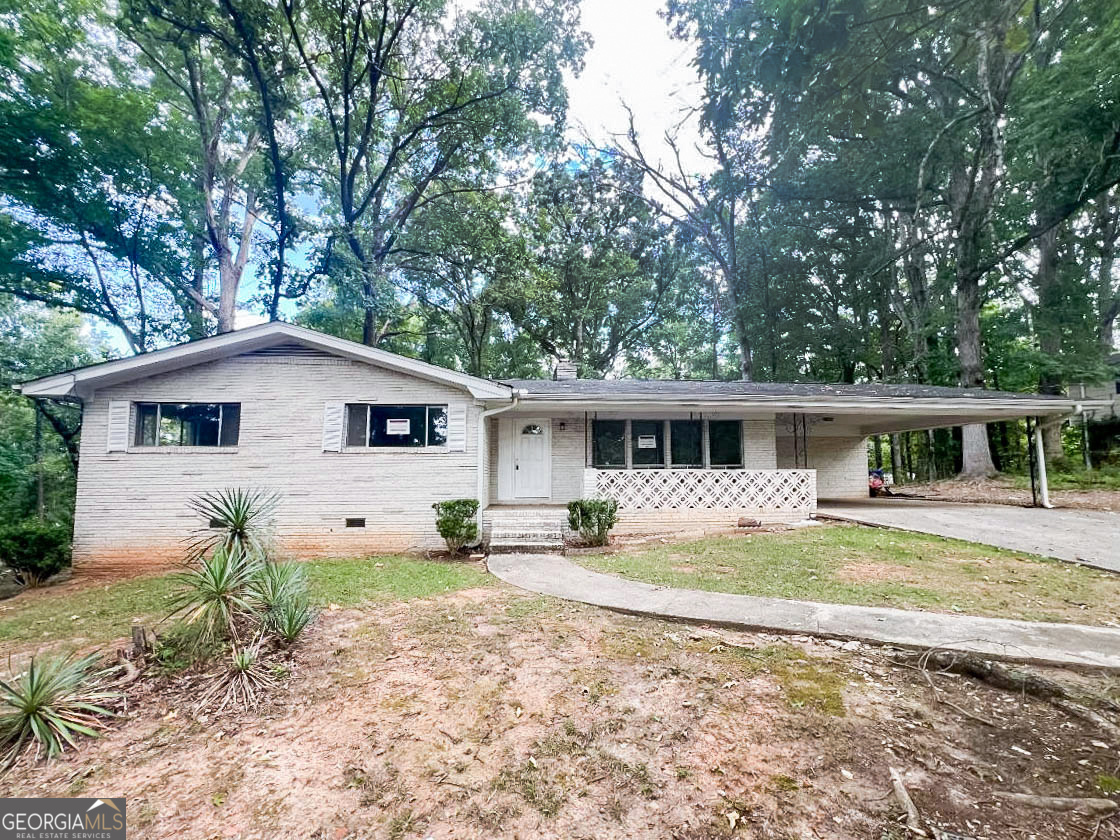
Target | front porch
(656,498)
(666,471)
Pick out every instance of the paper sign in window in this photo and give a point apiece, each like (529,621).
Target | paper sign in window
(647,441)
(398,426)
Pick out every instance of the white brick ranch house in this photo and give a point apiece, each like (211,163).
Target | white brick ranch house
(360,442)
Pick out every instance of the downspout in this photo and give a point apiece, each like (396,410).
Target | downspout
(483,491)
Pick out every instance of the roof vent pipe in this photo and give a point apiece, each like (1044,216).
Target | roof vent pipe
(565,369)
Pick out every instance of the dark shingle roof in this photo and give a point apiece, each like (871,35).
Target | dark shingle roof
(700,389)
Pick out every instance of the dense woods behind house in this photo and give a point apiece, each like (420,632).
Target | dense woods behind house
(884,192)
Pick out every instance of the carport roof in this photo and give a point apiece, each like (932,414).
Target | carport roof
(865,408)
(703,388)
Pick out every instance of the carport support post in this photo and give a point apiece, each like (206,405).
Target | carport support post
(1043,488)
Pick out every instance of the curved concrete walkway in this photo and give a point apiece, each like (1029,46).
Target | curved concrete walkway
(1018,641)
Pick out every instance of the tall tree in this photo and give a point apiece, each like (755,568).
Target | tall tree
(36,341)
(409,94)
(458,257)
(603,266)
(207,88)
(889,93)
(89,171)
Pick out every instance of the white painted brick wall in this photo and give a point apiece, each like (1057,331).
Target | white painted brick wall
(840,462)
(131,506)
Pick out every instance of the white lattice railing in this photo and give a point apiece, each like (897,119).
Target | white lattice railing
(768,491)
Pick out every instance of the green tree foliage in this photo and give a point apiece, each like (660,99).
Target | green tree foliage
(921,162)
(89,167)
(888,191)
(413,103)
(602,266)
(35,341)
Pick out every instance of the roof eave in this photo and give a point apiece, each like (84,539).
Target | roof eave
(83,381)
(981,405)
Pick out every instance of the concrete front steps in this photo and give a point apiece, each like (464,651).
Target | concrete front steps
(529,528)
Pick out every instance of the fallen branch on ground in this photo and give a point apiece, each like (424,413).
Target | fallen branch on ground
(913,818)
(1091,807)
(1089,716)
(939,660)
(993,673)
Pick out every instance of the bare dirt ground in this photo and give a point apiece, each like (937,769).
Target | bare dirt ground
(491,714)
(1001,491)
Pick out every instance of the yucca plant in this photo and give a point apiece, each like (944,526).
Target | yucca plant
(235,518)
(240,682)
(290,618)
(51,704)
(217,595)
(276,583)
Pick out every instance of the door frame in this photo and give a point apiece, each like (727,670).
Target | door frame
(507,457)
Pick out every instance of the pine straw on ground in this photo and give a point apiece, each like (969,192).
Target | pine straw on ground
(1004,491)
(492,714)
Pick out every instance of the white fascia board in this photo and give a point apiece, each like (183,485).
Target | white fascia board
(83,381)
(836,405)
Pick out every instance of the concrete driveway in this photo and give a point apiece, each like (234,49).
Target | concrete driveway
(1083,536)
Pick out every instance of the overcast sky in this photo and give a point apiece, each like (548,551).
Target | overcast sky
(633,59)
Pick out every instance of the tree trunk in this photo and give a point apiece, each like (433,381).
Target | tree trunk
(41,503)
(746,356)
(931,449)
(196,319)
(896,460)
(972,194)
(907,457)
(1047,315)
(1108,293)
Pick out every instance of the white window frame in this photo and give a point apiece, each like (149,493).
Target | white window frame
(667,444)
(365,445)
(135,417)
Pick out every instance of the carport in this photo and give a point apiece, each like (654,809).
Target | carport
(967,407)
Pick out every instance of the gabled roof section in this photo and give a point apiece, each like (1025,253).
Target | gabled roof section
(83,381)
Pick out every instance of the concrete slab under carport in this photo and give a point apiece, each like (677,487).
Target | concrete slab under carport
(1078,536)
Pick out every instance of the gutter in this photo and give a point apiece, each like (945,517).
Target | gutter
(1026,406)
(484,450)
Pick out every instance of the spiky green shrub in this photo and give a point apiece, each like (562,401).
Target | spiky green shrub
(456,522)
(51,704)
(277,583)
(593,518)
(217,596)
(236,518)
(35,551)
(290,618)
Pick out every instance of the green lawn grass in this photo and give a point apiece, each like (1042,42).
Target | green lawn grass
(352,581)
(851,564)
(101,612)
(1102,478)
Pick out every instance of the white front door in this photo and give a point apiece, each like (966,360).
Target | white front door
(532,457)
